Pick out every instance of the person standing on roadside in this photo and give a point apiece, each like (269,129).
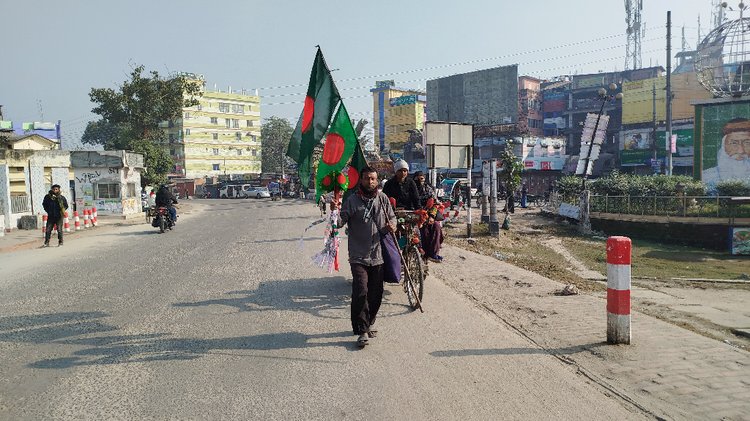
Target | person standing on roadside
(55,205)
(369,216)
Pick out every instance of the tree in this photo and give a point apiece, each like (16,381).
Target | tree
(510,174)
(274,137)
(130,117)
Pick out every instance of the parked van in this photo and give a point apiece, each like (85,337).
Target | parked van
(235,191)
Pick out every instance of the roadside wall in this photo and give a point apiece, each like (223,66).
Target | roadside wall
(713,236)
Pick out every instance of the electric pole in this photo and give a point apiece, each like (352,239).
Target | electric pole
(669,93)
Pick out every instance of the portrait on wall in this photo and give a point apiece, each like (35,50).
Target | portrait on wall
(726,144)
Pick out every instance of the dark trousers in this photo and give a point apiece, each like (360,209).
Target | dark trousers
(48,229)
(367,295)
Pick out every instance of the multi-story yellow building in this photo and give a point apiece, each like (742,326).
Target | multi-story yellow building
(396,111)
(219,136)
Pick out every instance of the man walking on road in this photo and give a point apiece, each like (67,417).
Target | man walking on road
(370,216)
(55,205)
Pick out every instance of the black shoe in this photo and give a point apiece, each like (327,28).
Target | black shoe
(362,341)
(45,245)
(373,332)
(60,244)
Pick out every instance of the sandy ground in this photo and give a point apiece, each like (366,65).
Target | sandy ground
(716,310)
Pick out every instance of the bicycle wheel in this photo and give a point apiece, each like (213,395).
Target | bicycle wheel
(414,283)
(417,271)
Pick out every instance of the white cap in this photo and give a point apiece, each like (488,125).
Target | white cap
(400,165)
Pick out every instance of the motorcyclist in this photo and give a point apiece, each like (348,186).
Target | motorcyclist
(164,197)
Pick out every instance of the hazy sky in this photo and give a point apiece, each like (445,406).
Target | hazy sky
(56,51)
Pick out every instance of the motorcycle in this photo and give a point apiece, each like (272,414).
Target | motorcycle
(162,219)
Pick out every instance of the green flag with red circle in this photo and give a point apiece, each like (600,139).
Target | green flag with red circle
(320,102)
(341,142)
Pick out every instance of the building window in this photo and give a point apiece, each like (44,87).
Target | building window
(187,115)
(235,123)
(253,152)
(249,123)
(216,167)
(253,138)
(171,137)
(223,107)
(238,108)
(215,136)
(216,151)
(200,107)
(187,132)
(171,123)
(107,191)
(214,120)
(239,151)
(228,123)
(238,136)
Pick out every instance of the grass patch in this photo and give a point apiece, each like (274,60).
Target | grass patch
(522,250)
(662,261)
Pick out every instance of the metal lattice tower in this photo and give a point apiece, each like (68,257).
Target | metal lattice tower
(723,60)
(633,48)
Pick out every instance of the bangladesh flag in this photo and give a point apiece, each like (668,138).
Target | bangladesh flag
(341,142)
(358,162)
(322,97)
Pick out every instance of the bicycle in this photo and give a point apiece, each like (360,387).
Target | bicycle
(414,267)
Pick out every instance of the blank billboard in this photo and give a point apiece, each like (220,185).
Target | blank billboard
(448,144)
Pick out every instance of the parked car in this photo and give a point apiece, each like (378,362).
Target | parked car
(256,192)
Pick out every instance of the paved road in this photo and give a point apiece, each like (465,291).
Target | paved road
(226,318)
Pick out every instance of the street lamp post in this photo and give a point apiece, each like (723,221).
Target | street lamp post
(605,96)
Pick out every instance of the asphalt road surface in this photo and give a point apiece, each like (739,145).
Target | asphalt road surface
(226,317)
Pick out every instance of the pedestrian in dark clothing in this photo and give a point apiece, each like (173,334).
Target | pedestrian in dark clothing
(424,190)
(369,216)
(55,205)
(402,188)
(510,205)
(524,195)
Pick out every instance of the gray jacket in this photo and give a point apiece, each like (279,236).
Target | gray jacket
(364,233)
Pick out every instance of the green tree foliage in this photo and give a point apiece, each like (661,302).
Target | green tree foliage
(130,117)
(733,188)
(275,133)
(510,172)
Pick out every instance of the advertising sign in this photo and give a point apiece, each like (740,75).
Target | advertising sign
(637,147)
(740,241)
(384,84)
(403,100)
(725,142)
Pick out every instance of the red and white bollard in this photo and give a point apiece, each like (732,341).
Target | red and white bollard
(66,222)
(44,224)
(93,217)
(618,290)
(76,221)
(86,218)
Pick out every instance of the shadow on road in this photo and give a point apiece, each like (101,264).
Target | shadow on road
(287,240)
(142,348)
(87,330)
(515,351)
(45,328)
(323,297)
